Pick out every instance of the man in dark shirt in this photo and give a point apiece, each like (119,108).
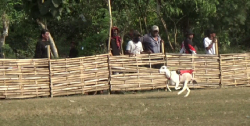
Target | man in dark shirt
(73,50)
(42,44)
(152,42)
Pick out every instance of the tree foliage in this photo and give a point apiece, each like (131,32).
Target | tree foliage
(87,22)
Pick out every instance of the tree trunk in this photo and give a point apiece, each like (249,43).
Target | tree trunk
(52,43)
(166,30)
(158,12)
(4,34)
(140,25)
(175,36)
(145,23)
(110,26)
(122,37)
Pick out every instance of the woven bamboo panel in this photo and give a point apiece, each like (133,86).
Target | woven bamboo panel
(206,68)
(235,69)
(24,78)
(79,75)
(137,73)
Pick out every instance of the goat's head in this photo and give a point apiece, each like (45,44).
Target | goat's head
(164,69)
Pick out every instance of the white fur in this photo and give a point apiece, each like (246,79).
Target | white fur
(176,80)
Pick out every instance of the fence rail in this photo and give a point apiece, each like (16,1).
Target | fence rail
(28,78)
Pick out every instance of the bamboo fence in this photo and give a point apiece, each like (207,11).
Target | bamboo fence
(28,78)
(206,68)
(79,75)
(24,78)
(235,69)
(137,73)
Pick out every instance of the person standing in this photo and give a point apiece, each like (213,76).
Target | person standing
(209,42)
(42,44)
(73,50)
(188,43)
(134,46)
(115,42)
(152,42)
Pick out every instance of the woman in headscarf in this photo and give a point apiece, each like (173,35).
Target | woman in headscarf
(115,42)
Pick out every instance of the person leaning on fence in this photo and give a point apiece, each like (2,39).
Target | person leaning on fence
(115,42)
(152,42)
(182,48)
(188,44)
(42,44)
(134,46)
(209,42)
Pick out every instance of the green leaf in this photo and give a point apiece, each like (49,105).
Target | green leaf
(56,3)
(68,10)
(44,7)
(54,12)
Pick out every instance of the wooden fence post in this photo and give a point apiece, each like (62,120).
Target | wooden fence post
(110,25)
(109,78)
(50,82)
(216,48)
(162,47)
(220,69)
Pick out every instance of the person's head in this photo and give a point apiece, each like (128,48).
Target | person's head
(114,31)
(211,33)
(72,44)
(189,34)
(155,31)
(45,35)
(136,36)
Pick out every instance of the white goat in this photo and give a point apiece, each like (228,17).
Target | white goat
(176,78)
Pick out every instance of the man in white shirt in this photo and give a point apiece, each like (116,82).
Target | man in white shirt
(134,46)
(209,42)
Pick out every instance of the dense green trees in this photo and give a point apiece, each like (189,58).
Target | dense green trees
(87,22)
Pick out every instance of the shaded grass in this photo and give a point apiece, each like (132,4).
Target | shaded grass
(203,107)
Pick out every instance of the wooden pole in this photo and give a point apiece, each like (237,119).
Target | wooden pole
(109,78)
(162,47)
(48,51)
(110,25)
(220,68)
(50,82)
(216,47)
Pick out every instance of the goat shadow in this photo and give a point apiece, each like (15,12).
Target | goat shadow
(155,97)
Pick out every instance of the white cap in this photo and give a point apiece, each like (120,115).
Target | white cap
(155,28)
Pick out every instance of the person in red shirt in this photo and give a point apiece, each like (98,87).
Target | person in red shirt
(188,44)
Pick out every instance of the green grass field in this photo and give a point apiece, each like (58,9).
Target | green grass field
(218,107)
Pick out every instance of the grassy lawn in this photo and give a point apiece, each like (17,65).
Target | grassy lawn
(219,107)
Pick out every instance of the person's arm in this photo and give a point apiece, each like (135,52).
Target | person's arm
(207,45)
(128,49)
(191,48)
(142,51)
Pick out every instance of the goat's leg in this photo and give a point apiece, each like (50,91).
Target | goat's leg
(184,87)
(177,86)
(188,91)
(168,88)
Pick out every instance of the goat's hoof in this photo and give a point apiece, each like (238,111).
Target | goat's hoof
(178,93)
(186,96)
(177,88)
